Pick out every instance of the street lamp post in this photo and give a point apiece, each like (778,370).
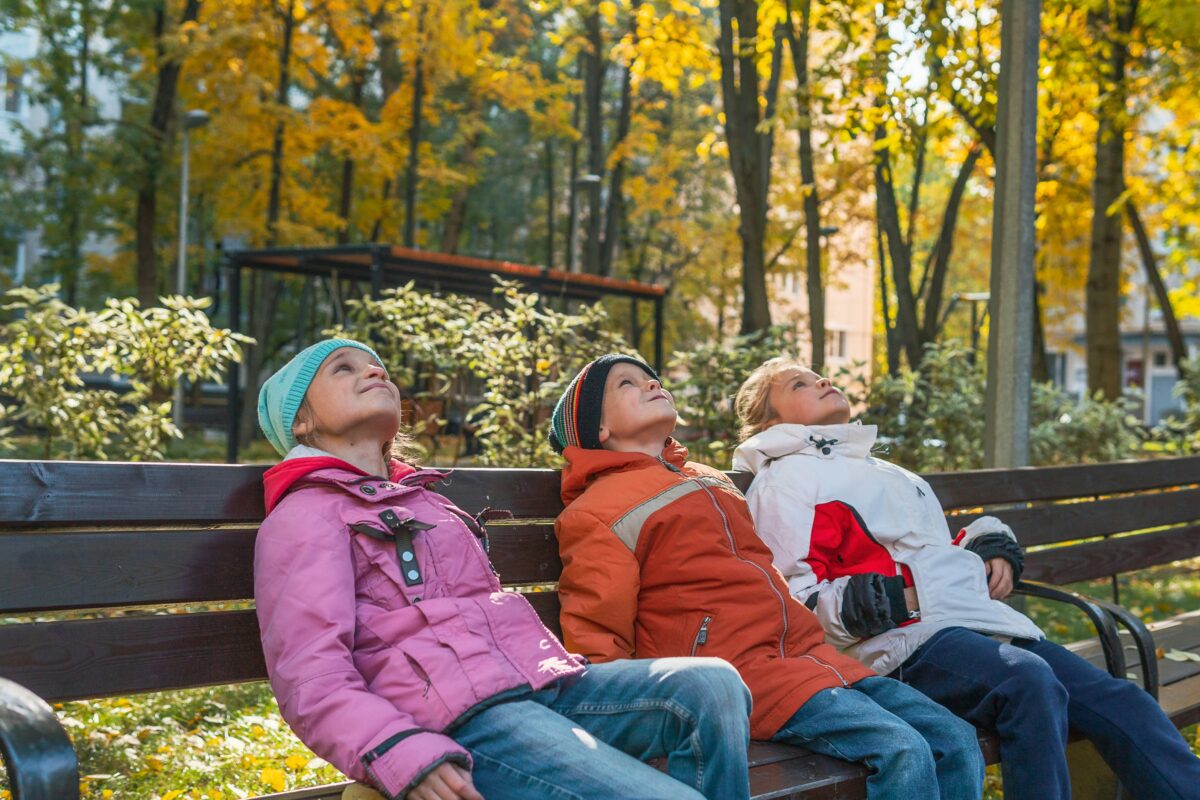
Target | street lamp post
(193,119)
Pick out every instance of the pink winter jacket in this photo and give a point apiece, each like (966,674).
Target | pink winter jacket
(370,670)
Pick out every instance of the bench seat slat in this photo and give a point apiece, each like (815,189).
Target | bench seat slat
(995,486)
(1125,554)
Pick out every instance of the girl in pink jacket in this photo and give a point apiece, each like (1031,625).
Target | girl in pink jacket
(396,656)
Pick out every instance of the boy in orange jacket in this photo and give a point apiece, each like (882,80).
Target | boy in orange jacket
(660,558)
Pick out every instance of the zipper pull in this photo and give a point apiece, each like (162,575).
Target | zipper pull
(670,466)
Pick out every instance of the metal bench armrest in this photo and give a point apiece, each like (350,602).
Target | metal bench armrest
(35,747)
(1143,640)
(1106,628)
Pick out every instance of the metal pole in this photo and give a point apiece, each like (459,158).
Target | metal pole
(1010,335)
(181,266)
(233,395)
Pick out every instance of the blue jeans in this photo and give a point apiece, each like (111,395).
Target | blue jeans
(587,737)
(1029,692)
(914,748)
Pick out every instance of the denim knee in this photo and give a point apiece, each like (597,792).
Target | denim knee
(906,749)
(1033,681)
(710,682)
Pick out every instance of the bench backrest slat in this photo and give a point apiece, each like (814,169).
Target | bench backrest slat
(75,659)
(1065,522)
(1113,556)
(46,572)
(101,494)
(1027,484)
(58,571)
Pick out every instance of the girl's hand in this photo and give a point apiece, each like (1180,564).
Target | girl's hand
(447,782)
(1000,578)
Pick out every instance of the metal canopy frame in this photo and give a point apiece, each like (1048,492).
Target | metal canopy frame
(382,266)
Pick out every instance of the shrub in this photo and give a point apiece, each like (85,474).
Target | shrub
(520,353)
(47,347)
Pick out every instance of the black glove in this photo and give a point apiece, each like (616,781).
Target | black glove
(999,545)
(872,604)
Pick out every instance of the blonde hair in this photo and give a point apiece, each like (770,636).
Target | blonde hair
(753,399)
(401,447)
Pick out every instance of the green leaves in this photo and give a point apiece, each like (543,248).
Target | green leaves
(48,347)
(496,367)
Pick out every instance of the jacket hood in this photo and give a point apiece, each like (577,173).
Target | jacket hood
(301,461)
(584,465)
(852,440)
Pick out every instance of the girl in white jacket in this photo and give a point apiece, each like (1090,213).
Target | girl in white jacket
(865,544)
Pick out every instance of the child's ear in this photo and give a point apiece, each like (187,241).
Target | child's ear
(604,434)
(302,425)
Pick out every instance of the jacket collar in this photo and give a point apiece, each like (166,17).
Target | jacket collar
(851,440)
(304,465)
(585,465)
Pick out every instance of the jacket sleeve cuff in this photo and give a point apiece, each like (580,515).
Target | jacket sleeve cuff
(999,545)
(893,588)
(399,769)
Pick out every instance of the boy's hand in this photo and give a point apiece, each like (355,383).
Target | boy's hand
(1000,578)
(446,782)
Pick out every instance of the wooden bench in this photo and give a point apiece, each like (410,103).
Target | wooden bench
(96,536)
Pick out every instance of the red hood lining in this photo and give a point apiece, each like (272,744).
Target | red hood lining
(279,479)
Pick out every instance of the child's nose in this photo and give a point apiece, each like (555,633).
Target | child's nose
(374,370)
(653,384)
(824,383)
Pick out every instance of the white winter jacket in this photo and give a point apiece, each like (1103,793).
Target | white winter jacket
(829,512)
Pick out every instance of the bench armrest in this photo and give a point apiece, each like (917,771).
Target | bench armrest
(1142,640)
(35,747)
(1106,628)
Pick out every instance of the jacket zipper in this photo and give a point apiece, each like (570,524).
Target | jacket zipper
(829,667)
(733,546)
(701,635)
(670,466)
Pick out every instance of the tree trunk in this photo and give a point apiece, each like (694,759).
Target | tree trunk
(749,150)
(889,221)
(1154,277)
(593,84)
(573,184)
(265,287)
(814,286)
(346,193)
(1040,372)
(162,112)
(1103,313)
(614,213)
(414,140)
(457,213)
(940,261)
(893,348)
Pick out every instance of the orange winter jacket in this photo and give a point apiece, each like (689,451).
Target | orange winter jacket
(660,558)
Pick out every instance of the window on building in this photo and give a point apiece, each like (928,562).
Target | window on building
(1160,358)
(12,90)
(835,344)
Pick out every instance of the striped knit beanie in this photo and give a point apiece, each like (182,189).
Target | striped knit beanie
(576,419)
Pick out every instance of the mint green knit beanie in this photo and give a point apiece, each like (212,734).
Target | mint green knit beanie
(281,395)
